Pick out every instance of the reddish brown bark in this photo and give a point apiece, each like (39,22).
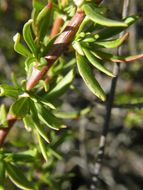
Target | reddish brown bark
(57,49)
(4,131)
(57,26)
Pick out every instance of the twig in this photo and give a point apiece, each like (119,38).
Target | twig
(58,22)
(57,49)
(57,26)
(109,105)
(4,131)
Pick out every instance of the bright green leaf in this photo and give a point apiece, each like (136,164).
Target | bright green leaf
(48,118)
(98,18)
(28,37)
(112,43)
(61,86)
(77,47)
(110,32)
(37,125)
(96,62)
(28,122)
(21,107)
(42,146)
(19,48)
(116,58)
(43,20)
(7,90)
(3,116)
(17,177)
(88,77)
(2,174)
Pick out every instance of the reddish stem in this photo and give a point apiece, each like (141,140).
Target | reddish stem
(57,49)
(4,131)
(57,26)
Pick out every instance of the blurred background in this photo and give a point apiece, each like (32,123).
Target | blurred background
(78,145)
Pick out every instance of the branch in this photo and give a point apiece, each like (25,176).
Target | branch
(57,48)
(57,26)
(109,106)
(4,131)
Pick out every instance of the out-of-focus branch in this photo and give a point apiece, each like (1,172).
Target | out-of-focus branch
(57,26)
(109,106)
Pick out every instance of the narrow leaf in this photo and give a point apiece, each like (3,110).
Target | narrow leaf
(28,123)
(7,90)
(19,48)
(72,115)
(100,19)
(17,177)
(42,146)
(88,77)
(2,174)
(110,32)
(21,107)
(96,62)
(3,116)
(77,47)
(48,118)
(61,86)
(41,132)
(43,20)
(25,156)
(116,58)
(27,34)
(112,43)
(37,124)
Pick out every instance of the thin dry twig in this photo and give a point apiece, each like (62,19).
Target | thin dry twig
(109,106)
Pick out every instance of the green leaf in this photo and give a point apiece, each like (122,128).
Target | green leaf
(43,148)
(48,45)
(27,35)
(72,115)
(112,43)
(19,48)
(88,77)
(61,86)
(2,174)
(116,58)
(48,118)
(21,107)
(17,177)
(41,132)
(76,45)
(29,63)
(37,7)
(28,122)
(7,90)
(54,153)
(98,18)
(37,125)
(43,20)
(39,99)
(109,32)
(25,156)
(96,62)
(3,116)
